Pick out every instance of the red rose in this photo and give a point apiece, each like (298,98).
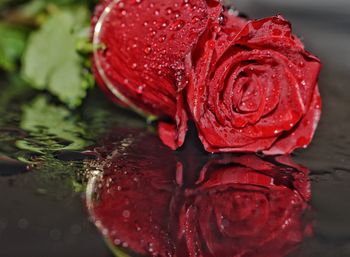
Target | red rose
(156,203)
(139,52)
(255,90)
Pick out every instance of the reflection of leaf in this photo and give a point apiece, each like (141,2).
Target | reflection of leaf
(12,43)
(51,61)
(51,127)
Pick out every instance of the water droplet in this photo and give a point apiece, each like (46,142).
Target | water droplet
(156,12)
(141,88)
(164,24)
(177,25)
(303,82)
(195,19)
(105,231)
(147,50)
(150,247)
(162,38)
(211,43)
(117,241)
(126,214)
(169,10)
(217,29)
(221,20)
(134,66)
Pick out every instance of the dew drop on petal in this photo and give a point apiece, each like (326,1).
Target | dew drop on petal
(126,213)
(117,241)
(147,50)
(177,25)
(169,10)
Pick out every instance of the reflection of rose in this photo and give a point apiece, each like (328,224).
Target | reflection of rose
(242,210)
(255,90)
(151,201)
(130,202)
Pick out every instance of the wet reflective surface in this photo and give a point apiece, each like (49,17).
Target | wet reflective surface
(147,200)
(46,167)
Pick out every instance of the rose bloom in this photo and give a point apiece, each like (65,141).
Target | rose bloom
(255,89)
(156,203)
(139,47)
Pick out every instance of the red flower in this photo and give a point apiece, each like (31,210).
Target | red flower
(156,203)
(139,52)
(255,90)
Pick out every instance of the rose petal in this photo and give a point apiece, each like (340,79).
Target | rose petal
(250,88)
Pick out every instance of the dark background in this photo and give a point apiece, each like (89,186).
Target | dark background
(38,225)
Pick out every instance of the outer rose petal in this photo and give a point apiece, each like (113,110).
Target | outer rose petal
(145,42)
(302,134)
(250,89)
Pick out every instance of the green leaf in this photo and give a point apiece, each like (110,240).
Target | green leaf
(51,128)
(51,61)
(12,44)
